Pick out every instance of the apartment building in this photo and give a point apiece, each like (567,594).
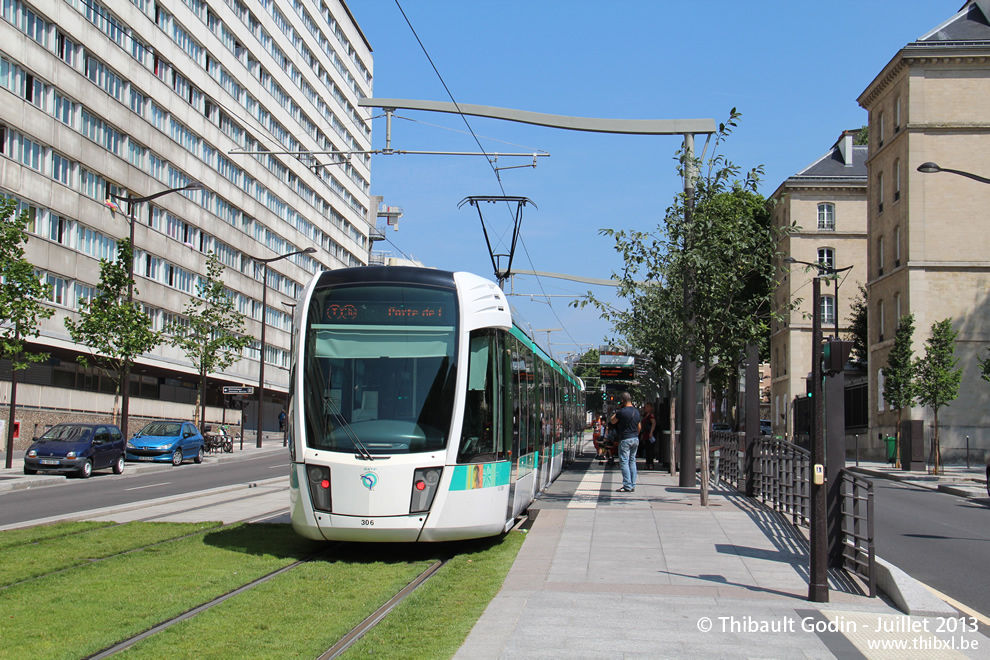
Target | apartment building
(250,100)
(929,245)
(826,204)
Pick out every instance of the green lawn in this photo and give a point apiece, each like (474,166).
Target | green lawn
(92,605)
(25,535)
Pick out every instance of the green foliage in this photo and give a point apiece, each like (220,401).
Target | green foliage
(938,378)
(587,367)
(985,367)
(116,331)
(862,136)
(899,387)
(213,337)
(859,328)
(21,292)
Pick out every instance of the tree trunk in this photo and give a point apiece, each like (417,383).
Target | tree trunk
(936,448)
(9,454)
(897,441)
(706,430)
(673,433)
(201,409)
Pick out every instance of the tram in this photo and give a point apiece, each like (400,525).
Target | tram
(418,410)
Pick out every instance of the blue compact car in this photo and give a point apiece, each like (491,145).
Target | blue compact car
(77,449)
(167,441)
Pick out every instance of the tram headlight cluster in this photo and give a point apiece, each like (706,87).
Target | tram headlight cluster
(425,482)
(319,486)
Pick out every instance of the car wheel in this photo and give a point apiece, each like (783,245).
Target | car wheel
(177,457)
(118,467)
(28,470)
(86,470)
(199,456)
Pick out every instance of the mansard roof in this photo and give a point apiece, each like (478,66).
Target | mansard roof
(832,165)
(967,26)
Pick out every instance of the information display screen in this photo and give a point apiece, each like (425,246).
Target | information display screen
(616,373)
(377,312)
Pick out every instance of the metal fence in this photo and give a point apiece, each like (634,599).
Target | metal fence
(858,551)
(782,481)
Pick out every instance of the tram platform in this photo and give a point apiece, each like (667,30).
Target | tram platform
(653,574)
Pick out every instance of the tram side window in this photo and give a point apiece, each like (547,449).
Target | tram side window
(479,437)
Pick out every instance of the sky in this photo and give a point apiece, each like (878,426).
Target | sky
(794,70)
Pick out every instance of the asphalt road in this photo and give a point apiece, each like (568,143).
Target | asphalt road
(940,539)
(105,489)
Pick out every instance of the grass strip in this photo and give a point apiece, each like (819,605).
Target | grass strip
(55,554)
(77,613)
(25,535)
(434,620)
(301,613)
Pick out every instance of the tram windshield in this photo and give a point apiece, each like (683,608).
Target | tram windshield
(380,368)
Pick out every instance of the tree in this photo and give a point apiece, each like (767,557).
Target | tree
(899,387)
(862,136)
(116,331)
(859,328)
(724,250)
(21,309)
(212,337)
(938,378)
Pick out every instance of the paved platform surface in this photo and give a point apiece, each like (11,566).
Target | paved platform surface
(652,574)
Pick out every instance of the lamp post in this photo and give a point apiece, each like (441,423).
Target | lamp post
(132,202)
(261,360)
(818,582)
(932,168)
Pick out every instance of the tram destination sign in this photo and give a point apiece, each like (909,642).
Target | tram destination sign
(238,390)
(379,312)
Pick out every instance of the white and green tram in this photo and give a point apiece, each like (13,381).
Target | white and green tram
(418,410)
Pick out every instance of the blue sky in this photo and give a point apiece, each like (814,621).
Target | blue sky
(794,71)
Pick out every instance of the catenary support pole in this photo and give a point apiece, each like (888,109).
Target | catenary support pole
(689,373)
(818,581)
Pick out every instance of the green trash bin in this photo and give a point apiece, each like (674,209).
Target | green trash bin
(891,449)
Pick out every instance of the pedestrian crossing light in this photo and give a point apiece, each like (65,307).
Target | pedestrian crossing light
(835,354)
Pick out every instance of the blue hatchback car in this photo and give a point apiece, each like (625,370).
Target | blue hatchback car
(76,448)
(167,441)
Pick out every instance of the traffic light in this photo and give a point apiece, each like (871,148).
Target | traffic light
(835,354)
(809,387)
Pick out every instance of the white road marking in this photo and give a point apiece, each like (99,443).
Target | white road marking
(148,486)
(586,495)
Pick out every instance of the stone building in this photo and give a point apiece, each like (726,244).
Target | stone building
(136,97)
(826,204)
(929,246)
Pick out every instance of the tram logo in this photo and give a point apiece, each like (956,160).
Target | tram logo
(369,480)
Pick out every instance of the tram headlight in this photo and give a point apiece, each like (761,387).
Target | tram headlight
(318,477)
(425,483)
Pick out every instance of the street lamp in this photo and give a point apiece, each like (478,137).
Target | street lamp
(932,168)
(264,304)
(132,202)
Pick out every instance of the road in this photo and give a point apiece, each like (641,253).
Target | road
(940,539)
(105,489)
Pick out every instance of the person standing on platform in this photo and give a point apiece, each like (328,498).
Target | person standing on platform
(648,425)
(627,423)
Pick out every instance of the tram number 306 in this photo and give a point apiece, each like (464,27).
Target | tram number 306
(367,523)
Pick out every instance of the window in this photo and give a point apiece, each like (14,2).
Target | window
(58,229)
(31,153)
(880,127)
(59,291)
(897,247)
(897,179)
(61,168)
(64,111)
(826,257)
(826,217)
(827,310)
(897,114)
(137,101)
(880,318)
(880,256)
(65,48)
(880,193)
(897,309)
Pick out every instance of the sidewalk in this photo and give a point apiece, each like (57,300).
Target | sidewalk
(15,479)
(653,574)
(958,480)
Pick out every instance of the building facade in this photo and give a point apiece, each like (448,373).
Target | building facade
(929,249)
(825,204)
(136,97)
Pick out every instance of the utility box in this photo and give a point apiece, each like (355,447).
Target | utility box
(913,445)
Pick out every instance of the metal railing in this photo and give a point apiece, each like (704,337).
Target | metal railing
(783,477)
(858,551)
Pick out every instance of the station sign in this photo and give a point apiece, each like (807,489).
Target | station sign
(238,390)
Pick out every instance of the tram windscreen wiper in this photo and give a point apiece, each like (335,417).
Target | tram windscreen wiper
(345,425)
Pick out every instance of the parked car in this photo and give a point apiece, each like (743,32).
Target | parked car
(165,441)
(766,427)
(720,427)
(76,448)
